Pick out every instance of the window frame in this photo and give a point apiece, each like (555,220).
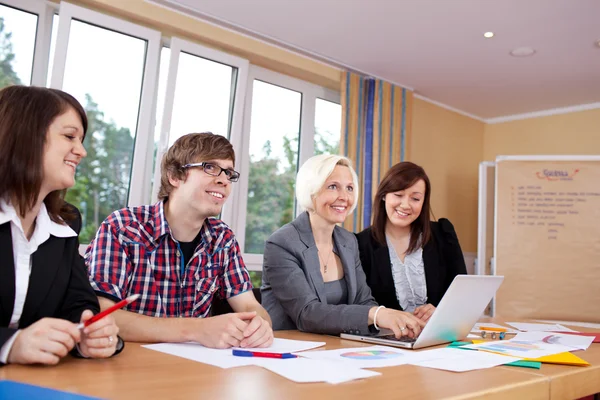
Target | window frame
(310,92)
(144,135)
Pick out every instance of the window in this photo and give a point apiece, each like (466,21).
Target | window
(328,126)
(204,92)
(274,137)
(287,121)
(24,40)
(113,96)
(203,97)
(17,41)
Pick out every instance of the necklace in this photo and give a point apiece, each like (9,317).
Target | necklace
(326,262)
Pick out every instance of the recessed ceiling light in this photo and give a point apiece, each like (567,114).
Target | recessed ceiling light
(597,43)
(522,52)
(488,35)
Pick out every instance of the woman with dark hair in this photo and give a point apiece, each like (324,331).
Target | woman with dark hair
(44,287)
(408,259)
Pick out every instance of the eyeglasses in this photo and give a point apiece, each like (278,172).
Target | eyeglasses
(215,170)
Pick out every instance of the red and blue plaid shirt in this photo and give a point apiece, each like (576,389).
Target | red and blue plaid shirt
(134,252)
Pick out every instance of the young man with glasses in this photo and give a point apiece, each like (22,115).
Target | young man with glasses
(177,256)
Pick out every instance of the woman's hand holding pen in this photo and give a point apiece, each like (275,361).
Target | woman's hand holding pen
(98,340)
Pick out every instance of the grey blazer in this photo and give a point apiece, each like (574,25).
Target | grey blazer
(293,291)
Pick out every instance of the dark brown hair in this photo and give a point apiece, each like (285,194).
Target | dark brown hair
(191,148)
(400,177)
(26,113)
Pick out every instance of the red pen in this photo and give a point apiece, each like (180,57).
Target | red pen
(109,310)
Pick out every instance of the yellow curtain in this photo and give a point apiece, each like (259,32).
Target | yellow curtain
(376,126)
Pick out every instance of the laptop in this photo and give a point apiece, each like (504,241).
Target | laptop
(460,308)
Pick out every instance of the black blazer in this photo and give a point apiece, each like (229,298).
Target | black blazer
(58,284)
(442,257)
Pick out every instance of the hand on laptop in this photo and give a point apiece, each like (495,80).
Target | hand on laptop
(424,312)
(400,322)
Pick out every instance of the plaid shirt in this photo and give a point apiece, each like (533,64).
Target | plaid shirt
(134,252)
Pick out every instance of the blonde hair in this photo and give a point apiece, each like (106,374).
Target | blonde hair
(313,174)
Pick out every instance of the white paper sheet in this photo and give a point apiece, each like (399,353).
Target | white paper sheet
(223,358)
(287,346)
(295,369)
(460,360)
(574,342)
(364,357)
(304,370)
(520,348)
(573,323)
(477,327)
(196,352)
(527,326)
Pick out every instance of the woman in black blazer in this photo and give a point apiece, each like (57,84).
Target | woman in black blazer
(407,258)
(44,287)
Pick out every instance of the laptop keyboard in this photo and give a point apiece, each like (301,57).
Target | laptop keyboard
(404,339)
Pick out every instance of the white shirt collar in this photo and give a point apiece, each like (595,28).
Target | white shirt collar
(44,226)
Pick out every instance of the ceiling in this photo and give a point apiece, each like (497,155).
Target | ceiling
(436,47)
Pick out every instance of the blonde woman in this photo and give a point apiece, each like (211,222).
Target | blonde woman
(312,277)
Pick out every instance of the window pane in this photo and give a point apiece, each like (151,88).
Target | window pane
(328,126)
(104,71)
(256,278)
(17,43)
(274,137)
(204,95)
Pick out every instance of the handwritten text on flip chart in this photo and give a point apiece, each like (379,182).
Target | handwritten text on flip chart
(537,206)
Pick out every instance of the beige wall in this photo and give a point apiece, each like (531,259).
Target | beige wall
(573,133)
(449,146)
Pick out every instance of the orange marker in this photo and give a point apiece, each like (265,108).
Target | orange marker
(489,328)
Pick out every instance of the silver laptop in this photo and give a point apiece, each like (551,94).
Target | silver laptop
(460,308)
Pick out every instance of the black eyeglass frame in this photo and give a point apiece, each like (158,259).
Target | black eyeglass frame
(232,175)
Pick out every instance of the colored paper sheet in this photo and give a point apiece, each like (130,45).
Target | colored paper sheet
(18,390)
(574,342)
(525,364)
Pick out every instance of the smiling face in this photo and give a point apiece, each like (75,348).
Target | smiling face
(335,199)
(201,192)
(63,152)
(404,207)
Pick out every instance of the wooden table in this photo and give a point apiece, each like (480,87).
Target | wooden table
(143,373)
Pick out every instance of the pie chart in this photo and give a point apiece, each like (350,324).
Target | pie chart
(371,355)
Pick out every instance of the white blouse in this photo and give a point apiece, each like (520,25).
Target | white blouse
(22,251)
(409,278)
